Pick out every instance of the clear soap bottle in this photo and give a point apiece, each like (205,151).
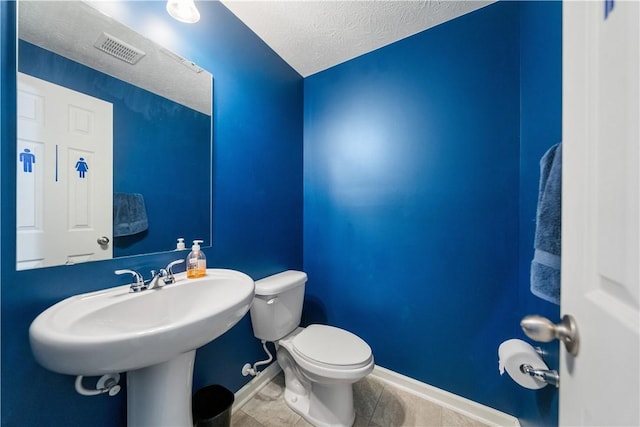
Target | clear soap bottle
(196,261)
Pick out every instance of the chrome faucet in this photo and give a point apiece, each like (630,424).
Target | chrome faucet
(165,273)
(136,286)
(155,276)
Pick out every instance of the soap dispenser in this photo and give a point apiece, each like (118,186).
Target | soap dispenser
(196,261)
(180,245)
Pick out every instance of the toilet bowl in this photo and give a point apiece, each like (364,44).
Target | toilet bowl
(320,362)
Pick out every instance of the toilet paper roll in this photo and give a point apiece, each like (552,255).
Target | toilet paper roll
(512,355)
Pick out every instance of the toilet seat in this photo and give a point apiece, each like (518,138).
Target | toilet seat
(331,346)
(329,353)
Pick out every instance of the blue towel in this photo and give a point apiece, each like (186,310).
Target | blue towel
(129,214)
(545,267)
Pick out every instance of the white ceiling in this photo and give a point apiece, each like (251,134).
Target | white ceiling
(70,29)
(312,35)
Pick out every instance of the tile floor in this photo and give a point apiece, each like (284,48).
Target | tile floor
(377,404)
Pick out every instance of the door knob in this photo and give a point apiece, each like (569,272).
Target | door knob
(103,241)
(541,329)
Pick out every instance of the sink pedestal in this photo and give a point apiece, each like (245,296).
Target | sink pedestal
(160,395)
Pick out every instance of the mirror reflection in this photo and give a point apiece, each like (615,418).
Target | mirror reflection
(112,129)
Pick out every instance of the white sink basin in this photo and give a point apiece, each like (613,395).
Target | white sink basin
(114,330)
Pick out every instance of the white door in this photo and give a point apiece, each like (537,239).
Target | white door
(64,175)
(601,212)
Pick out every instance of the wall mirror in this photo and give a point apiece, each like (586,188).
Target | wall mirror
(114,150)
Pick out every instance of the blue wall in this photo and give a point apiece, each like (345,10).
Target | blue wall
(420,179)
(416,236)
(540,128)
(146,128)
(257,210)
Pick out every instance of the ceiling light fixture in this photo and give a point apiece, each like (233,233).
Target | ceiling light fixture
(183,11)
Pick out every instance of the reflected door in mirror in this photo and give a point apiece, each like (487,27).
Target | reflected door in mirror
(65,157)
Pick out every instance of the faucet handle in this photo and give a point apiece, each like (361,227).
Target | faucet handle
(169,271)
(172,263)
(138,284)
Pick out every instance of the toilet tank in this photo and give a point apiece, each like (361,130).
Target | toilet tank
(277,306)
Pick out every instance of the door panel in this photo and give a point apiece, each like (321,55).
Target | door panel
(601,212)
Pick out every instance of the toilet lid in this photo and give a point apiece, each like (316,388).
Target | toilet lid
(332,346)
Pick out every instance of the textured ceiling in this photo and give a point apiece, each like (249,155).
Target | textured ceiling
(70,28)
(312,36)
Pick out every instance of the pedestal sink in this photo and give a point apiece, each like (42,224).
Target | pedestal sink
(152,335)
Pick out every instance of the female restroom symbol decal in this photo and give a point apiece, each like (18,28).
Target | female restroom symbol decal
(81,167)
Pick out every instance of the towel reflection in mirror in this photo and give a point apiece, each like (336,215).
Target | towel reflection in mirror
(129,214)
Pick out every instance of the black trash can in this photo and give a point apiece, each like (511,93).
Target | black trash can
(211,406)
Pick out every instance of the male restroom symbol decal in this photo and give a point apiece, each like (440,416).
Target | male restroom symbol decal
(81,167)
(28,159)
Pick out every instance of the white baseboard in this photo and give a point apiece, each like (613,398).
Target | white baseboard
(466,407)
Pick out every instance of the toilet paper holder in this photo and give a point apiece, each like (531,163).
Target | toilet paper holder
(546,375)
(525,365)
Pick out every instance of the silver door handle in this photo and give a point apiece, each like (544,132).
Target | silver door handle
(103,241)
(541,329)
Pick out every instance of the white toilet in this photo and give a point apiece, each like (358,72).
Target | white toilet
(320,362)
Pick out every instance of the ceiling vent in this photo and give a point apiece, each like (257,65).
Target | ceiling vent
(121,50)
